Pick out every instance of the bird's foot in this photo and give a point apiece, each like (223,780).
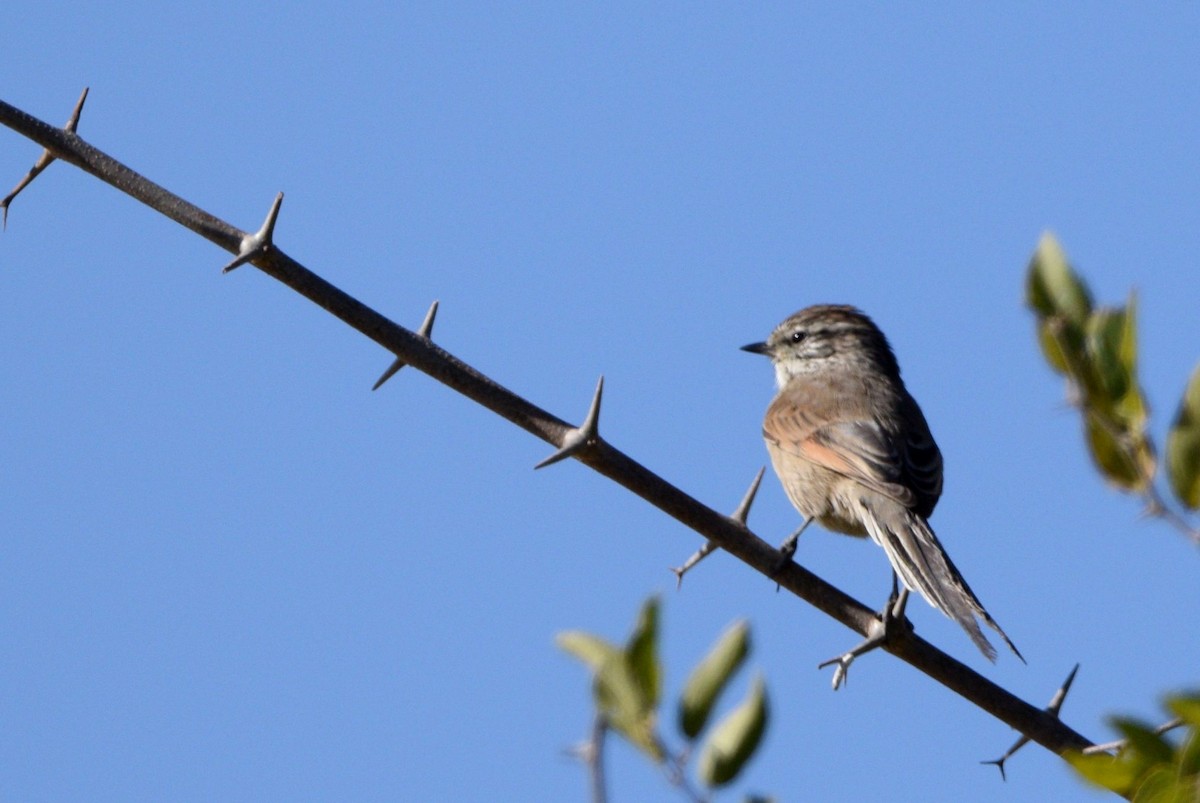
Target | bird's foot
(883,627)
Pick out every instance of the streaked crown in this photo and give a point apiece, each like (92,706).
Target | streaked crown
(817,337)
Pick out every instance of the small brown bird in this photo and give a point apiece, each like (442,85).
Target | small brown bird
(853,451)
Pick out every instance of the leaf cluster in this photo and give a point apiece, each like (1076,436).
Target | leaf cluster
(1096,349)
(1149,768)
(627,692)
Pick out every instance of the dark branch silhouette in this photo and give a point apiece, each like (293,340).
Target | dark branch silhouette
(728,533)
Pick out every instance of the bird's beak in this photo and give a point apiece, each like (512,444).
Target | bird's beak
(758,348)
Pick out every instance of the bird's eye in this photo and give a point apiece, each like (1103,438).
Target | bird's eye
(798,336)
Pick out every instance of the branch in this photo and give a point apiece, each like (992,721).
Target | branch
(591,753)
(596,760)
(43,161)
(726,532)
(1053,709)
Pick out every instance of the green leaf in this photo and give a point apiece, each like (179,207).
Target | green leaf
(1129,464)
(1183,446)
(734,740)
(1108,380)
(1131,408)
(642,652)
(1187,708)
(1062,344)
(592,650)
(1052,288)
(1187,755)
(1127,344)
(1143,741)
(1162,785)
(1111,384)
(620,696)
(1109,772)
(1187,758)
(710,677)
(1111,377)
(1114,407)
(625,682)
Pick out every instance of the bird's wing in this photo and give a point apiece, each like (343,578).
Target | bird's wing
(922,458)
(908,470)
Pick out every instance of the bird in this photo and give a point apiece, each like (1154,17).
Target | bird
(854,452)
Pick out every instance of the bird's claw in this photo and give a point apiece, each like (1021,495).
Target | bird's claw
(882,628)
(843,668)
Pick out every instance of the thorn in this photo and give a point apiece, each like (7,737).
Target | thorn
(1053,708)
(1061,695)
(425,330)
(73,123)
(258,244)
(699,555)
(584,435)
(739,516)
(787,551)
(999,763)
(43,161)
(743,509)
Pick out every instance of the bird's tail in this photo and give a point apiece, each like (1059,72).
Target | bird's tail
(918,557)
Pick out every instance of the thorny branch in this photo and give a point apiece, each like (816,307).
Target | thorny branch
(726,532)
(44,161)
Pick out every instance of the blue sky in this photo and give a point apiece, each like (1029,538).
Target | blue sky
(232,572)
